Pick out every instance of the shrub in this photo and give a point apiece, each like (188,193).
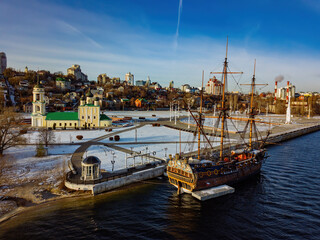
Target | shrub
(40,151)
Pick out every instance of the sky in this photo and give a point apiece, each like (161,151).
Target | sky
(168,39)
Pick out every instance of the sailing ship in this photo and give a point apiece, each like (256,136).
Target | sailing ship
(230,166)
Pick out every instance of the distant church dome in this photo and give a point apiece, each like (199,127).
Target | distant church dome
(89,93)
(38,85)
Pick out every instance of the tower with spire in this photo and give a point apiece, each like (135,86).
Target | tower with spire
(39,106)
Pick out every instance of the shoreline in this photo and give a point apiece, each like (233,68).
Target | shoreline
(20,209)
(83,195)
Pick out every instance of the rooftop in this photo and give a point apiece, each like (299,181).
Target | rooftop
(104,117)
(62,116)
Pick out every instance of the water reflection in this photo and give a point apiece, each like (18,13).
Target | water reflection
(281,203)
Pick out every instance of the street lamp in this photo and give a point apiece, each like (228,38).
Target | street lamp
(148,158)
(170,110)
(189,115)
(175,115)
(113,161)
(165,149)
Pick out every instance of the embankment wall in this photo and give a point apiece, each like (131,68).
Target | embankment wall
(119,182)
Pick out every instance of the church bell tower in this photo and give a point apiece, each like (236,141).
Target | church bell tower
(39,106)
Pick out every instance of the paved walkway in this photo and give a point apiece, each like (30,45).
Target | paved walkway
(77,156)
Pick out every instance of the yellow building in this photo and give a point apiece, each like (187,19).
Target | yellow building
(88,115)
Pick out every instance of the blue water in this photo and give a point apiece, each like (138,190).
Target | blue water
(283,202)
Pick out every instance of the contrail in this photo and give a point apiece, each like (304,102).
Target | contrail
(178,25)
(76,30)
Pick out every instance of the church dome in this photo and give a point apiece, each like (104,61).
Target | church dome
(89,93)
(38,85)
(91,160)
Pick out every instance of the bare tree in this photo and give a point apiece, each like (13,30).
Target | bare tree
(46,136)
(11,132)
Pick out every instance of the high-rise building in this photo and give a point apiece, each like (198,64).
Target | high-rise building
(214,86)
(129,78)
(103,78)
(171,85)
(185,88)
(140,83)
(75,70)
(148,83)
(3,62)
(282,92)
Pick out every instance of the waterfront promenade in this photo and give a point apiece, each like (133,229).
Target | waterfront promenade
(281,132)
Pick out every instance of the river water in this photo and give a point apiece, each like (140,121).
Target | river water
(283,202)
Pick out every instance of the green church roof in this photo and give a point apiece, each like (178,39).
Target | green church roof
(62,116)
(89,105)
(104,117)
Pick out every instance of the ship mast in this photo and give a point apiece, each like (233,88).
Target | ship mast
(225,67)
(252,113)
(200,117)
(223,108)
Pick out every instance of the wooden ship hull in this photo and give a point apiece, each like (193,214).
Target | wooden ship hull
(198,175)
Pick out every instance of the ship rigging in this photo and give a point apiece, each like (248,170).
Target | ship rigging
(201,172)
